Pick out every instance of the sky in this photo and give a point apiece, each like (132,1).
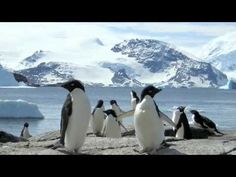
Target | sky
(19,40)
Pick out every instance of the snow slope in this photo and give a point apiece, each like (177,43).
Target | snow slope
(221,53)
(130,62)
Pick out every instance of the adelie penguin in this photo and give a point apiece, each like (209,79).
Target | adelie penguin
(182,129)
(204,122)
(75,116)
(25,131)
(149,128)
(97,118)
(134,99)
(115,107)
(111,127)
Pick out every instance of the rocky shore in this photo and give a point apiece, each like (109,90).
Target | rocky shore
(202,144)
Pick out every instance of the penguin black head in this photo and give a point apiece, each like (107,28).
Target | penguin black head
(181,108)
(194,112)
(110,111)
(99,104)
(72,84)
(150,90)
(26,124)
(113,102)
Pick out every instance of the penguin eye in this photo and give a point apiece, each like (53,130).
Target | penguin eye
(72,84)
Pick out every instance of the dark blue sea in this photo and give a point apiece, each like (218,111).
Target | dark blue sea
(217,104)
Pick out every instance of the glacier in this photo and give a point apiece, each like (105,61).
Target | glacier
(19,109)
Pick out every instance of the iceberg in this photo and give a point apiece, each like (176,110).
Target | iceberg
(231,84)
(19,109)
(7,78)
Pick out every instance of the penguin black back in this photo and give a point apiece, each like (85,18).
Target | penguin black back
(204,121)
(99,105)
(110,111)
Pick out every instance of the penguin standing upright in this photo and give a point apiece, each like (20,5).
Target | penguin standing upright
(97,118)
(25,131)
(149,128)
(111,127)
(75,116)
(134,99)
(204,122)
(115,107)
(182,129)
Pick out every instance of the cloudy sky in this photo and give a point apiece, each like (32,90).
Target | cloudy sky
(21,39)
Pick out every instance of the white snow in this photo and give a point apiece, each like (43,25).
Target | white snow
(19,109)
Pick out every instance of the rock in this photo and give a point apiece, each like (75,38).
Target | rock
(46,136)
(127,145)
(197,133)
(7,137)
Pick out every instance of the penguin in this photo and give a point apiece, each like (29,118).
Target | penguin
(75,116)
(115,107)
(149,128)
(111,127)
(134,99)
(97,118)
(204,122)
(182,129)
(25,131)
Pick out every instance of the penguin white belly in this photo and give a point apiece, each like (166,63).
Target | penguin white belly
(148,126)
(180,132)
(175,117)
(118,111)
(133,103)
(98,120)
(78,121)
(26,133)
(112,128)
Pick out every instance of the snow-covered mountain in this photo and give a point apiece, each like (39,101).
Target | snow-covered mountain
(7,78)
(221,53)
(57,72)
(168,66)
(130,63)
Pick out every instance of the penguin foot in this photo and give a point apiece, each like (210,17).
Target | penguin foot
(140,151)
(55,146)
(98,135)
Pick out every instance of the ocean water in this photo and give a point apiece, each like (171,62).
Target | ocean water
(219,105)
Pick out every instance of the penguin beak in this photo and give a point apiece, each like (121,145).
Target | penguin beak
(64,86)
(157,90)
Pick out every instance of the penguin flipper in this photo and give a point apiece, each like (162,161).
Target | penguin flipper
(217,131)
(21,134)
(65,115)
(125,114)
(202,125)
(165,118)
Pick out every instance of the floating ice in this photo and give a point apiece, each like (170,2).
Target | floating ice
(19,109)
